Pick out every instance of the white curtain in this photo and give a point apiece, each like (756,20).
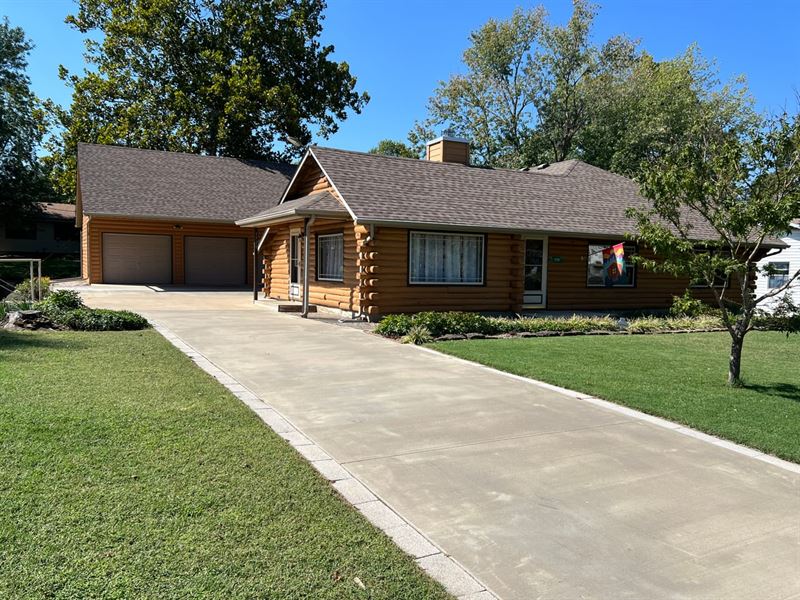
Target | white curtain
(330,257)
(446,258)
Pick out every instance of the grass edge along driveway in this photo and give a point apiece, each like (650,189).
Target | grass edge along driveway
(678,377)
(125,471)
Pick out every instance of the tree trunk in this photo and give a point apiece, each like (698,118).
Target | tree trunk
(735,365)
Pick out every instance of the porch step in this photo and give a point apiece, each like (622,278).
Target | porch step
(295,308)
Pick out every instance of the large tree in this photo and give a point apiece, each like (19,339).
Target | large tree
(529,87)
(218,77)
(741,181)
(535,92)
(22,126)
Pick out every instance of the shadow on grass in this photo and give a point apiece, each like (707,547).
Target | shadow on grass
(790,391)
(17,340)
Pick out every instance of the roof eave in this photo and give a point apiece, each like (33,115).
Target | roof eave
(89,213)
(291,215)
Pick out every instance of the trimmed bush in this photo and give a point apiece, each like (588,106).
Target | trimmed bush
(100,319)
(60,301)
(394,325)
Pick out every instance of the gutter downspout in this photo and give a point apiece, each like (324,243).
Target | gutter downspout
(256,253)
(306,230)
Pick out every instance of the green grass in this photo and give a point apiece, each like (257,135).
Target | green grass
(679,377)
(126,472)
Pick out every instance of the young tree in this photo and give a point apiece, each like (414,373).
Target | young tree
(218,77)
(394,148)
(22,126)
(737,184)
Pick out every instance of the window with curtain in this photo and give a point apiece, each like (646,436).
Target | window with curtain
(330,257)
(596,275)
(445,258)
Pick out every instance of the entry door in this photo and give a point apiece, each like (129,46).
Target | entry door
(295,265)
(535,273)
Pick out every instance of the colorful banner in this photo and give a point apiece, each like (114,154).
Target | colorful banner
(614,262)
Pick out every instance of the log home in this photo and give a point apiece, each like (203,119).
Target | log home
(371,235)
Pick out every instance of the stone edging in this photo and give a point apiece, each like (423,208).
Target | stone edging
(633,413)
(438,565)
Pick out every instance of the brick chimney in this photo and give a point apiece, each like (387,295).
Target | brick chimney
(449,149)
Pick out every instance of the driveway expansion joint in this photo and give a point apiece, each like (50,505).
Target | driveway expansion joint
(433,560)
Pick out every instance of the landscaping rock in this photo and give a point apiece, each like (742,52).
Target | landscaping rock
(27,319)
(449,337)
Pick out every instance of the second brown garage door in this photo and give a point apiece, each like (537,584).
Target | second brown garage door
(215,261)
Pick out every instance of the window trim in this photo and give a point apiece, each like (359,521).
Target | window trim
(484,241)
(627,286)
(317,262)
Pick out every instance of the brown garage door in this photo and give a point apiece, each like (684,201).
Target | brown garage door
(215,260)
(137,258)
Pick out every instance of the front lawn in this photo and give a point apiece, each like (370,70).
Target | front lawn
(678,377)
(126,472)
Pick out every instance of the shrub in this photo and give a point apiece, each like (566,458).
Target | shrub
(394,325)
(435,322)
(100,319)
(61,300)
(689,306)
(417,335)
(465,322)
(22,292)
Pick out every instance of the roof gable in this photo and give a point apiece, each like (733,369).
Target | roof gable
(120,181)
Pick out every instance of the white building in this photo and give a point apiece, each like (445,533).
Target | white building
(785,264)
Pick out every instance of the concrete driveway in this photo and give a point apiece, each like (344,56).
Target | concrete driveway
(539,494)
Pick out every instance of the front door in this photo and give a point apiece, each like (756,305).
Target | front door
(295,265)
(535,273)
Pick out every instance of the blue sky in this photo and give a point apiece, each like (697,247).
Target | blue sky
(399,50)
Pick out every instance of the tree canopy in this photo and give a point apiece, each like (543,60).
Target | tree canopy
(534,92)
(217,77)
(22,126)
(394,148)
(742,181)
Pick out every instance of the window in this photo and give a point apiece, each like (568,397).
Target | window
(445,258)
(21,232)
(778,274)
(330,257)
(65,232)
(596,275)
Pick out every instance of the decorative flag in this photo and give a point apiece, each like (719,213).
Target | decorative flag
(614,263)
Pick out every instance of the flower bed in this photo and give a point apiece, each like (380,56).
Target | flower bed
(427,326)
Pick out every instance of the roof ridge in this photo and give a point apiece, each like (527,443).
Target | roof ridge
(575,162)
(183,153)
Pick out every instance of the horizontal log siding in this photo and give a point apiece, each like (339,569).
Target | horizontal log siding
(94,229)
(567,289)
(502,289)
(342,295)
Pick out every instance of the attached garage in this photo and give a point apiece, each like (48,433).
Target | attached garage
(215,261)
(137,258)
(152,217)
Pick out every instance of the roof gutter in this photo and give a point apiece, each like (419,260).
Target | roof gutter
(512,230)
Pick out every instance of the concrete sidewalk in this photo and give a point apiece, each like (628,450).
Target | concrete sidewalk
(538,494)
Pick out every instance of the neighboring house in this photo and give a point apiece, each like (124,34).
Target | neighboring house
(384,235)
(785,264)
(164,217)
(53,231)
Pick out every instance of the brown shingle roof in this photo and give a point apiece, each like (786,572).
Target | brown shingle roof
(56,211)
(116,180)
(319,203)
(569,197)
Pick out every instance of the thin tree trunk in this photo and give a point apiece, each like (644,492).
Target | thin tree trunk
(735,365)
